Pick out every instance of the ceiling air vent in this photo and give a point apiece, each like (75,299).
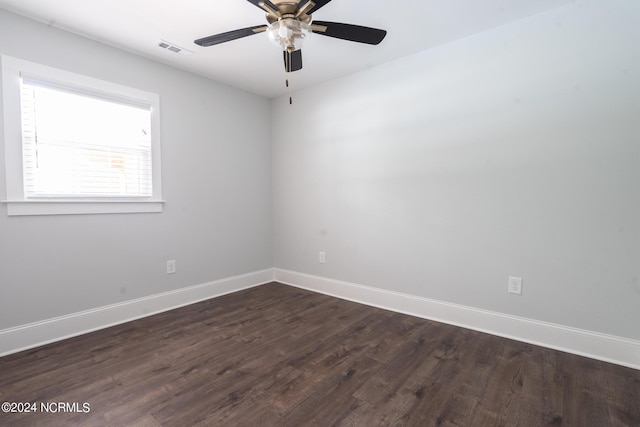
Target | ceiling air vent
(174,48)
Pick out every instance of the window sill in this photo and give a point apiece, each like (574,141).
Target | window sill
(80,207)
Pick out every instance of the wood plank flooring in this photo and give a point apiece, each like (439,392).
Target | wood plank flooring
(281,356)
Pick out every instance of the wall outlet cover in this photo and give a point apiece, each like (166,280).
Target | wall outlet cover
(171,267)
(515,285)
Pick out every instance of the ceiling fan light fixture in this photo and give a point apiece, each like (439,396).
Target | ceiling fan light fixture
(289,34)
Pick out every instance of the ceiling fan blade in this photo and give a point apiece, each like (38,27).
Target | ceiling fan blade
(292,61)
(354,33)
(319,4)
(230,35)
(267,2)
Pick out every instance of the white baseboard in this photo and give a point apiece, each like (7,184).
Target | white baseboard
(13,340)
(608,348)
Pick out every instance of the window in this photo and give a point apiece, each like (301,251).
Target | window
(74,144)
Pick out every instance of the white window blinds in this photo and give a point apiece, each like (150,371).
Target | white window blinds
(79,144)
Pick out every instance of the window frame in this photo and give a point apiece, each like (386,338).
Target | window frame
(16,201)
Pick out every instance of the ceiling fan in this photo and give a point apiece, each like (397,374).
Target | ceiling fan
(290,24)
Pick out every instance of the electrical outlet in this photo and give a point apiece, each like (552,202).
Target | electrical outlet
(515,285)
(171,266)
(322,258)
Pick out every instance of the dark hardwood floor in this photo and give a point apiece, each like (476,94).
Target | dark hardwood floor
(280,356)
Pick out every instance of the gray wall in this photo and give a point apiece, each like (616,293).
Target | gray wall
(216,180)
(513,152)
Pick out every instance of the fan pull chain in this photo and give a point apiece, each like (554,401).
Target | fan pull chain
(287,74)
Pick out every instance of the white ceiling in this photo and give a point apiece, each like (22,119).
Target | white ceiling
(252,63)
